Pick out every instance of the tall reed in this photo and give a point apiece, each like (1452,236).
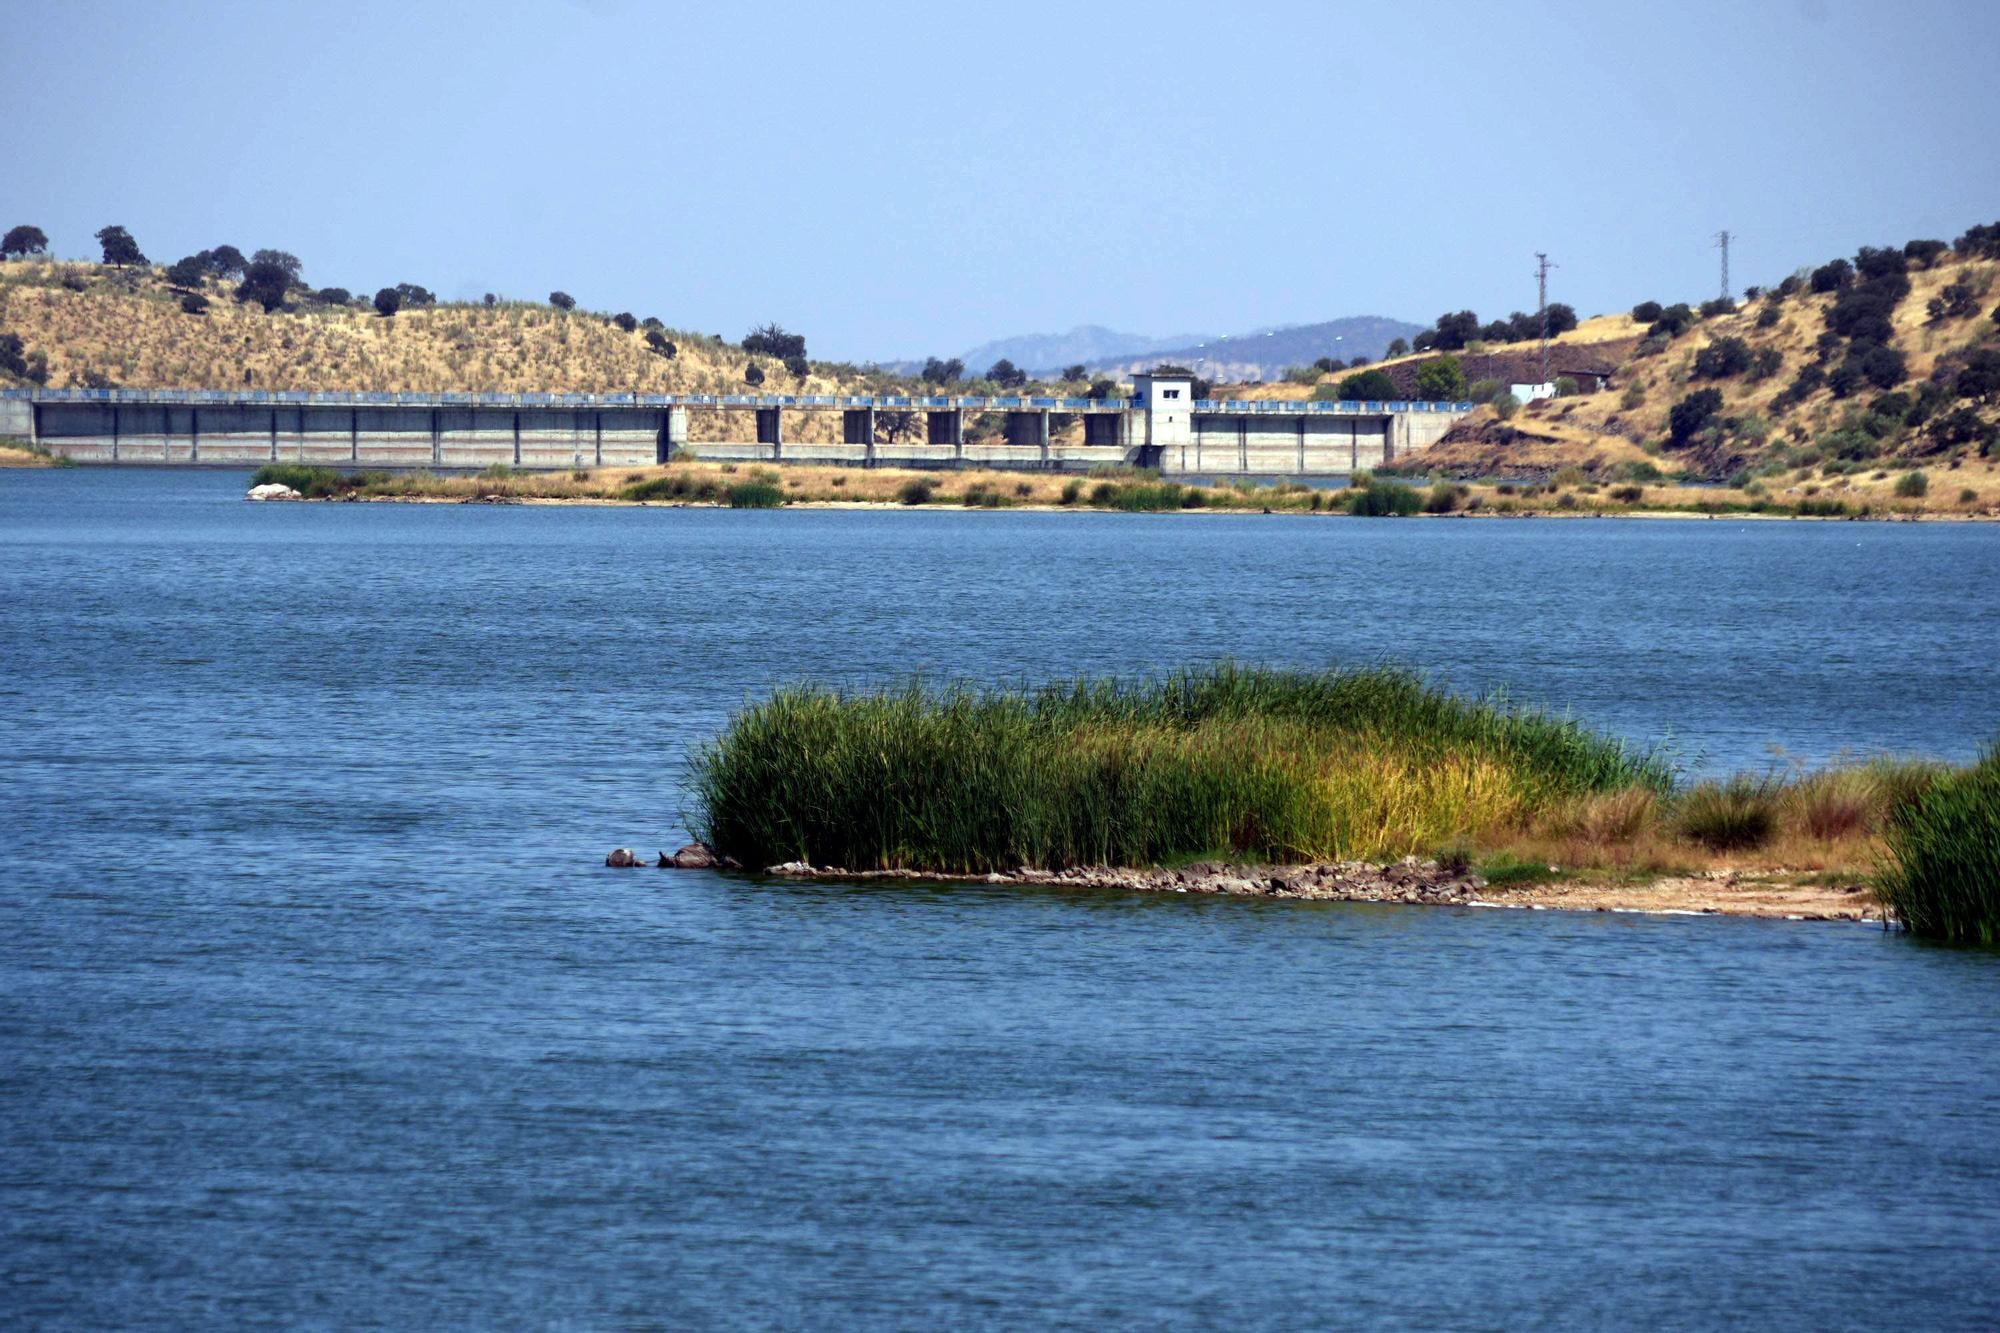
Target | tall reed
(1941,876)
(1226,760)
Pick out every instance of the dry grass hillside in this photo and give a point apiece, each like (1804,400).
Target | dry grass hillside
(94,326)
(88,325)
(1778,396)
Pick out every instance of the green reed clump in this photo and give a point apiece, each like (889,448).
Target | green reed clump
(1274,766)
(315,483)
(1141,498)
(1729,816)
(1941,876)
(755,495)
(674,486)
(1384,499)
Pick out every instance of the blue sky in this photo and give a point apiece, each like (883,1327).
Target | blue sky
(898,180)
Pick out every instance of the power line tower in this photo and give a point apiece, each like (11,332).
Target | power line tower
(1542,267)
(1722,239)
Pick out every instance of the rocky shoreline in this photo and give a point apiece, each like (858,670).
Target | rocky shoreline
(1409,881)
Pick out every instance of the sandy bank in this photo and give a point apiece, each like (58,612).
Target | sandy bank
(1411,881)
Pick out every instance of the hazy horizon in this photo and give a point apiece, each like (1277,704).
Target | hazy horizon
(900,183)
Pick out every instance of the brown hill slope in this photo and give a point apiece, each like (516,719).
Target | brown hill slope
(125,328)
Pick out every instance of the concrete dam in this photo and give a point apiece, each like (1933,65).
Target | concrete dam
(1161,425)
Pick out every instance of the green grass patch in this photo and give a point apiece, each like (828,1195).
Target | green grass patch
(1505,868)
(1271,766)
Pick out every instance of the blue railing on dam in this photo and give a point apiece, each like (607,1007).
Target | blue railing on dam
(889,402)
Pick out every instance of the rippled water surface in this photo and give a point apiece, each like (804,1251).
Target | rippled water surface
(316,1006)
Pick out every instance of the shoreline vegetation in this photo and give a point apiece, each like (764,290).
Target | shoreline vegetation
(1362,784)
(693,482)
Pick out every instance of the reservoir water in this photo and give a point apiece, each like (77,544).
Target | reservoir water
(317,1007)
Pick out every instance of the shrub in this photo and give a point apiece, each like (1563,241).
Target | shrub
(754,495)
(1646,311)
(1958,300)
(1764,363)
(1968,496)
(388,301)
(917,491)
(1924,253)
(1913,485)
(1383,499)
(1506,405)
(661,345)
(1883,367)
(1566,387)
(1072,490)
(195,303)
(1732,816)
(1368,386)
(1687,417)
(1443,498)
(1941,876)
(1441,380)
(1630,495)
(1673,321)
(1722,358)
(1831,277)
(1767,317)
(1721,305)
(562,300)
(753,373)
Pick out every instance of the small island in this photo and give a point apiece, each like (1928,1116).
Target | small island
(1362,785)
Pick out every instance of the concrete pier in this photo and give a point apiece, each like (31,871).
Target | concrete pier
(1161,426)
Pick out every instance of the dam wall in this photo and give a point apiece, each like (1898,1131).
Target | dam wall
(1164,428)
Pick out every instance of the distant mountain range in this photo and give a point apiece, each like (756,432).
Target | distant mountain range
(1261,354)
(1086,344)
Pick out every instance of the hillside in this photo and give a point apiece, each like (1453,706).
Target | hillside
(1264,354)
(102,326)
(1871,375)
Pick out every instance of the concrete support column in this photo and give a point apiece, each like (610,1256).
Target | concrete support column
(115,423)
(274,435)
(354,435)
(1302,445)
(517,438)
(597,439)
(194,434)
(1242,444)
(437,440)
(1042,436)
(871,437)
(676,427)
